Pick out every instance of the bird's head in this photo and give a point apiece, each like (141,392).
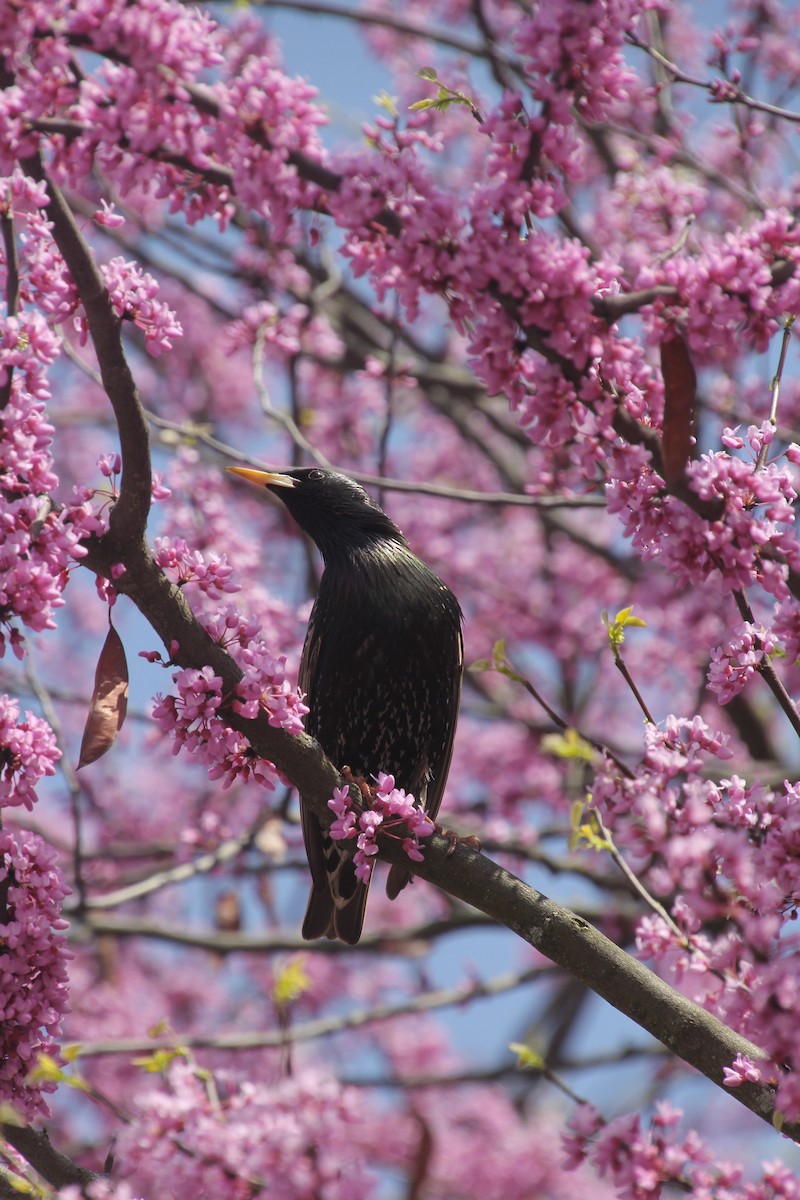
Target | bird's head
(334,510)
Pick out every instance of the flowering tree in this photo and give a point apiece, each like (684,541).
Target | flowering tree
(543,311)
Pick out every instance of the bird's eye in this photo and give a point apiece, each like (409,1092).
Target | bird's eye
(315,474)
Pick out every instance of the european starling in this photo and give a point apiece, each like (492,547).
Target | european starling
(381,668)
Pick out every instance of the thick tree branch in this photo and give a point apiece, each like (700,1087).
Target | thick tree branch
(131,512)
(35,1147)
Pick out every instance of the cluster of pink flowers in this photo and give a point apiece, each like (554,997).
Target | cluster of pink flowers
(733,664)
(37,542)
(686,826)
(254,137)
(289,1137)
(28,752)
(134,296)
(264,686)
(752,541)
(45,288)
(574,55)
(212,572)
(33,966)
(192,721)
(642,1160)
(390,809)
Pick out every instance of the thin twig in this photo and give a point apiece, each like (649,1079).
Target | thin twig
(619,663)
(766,669)
(776,387)
(65,766)
(275,414)
(309,1031)
(722,91)
(506,668)
(225,853)
(388,390)
(389,20)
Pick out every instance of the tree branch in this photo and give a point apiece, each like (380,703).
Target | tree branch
(323,1026)
(131,512)
(35,1147)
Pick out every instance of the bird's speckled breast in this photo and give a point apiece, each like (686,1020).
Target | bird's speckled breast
(382,651)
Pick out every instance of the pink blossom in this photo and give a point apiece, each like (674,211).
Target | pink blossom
(734,664)
(106,215)
(392,809)
(191,718)
(133,293)
(211,572)
(33,967)
(37,542)
(295,1132)
(742,1070)
(28,752)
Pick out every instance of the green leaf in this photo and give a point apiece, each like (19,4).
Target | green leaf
(423,104)
(527,1058)
(586,828)
(23,1187)
(427,73)
(625,619)
(47,1070)
(622,621)
(502,664)
(568,744)
(481,664)
(159,1060)
(387,103)
(292,981)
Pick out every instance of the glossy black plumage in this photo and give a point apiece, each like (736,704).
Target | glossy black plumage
(381,669)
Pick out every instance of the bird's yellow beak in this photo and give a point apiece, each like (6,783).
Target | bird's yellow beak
(264,478)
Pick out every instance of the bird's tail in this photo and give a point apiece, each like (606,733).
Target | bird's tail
(337,910)
(396,881)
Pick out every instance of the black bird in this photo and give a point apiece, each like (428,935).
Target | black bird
(381,668)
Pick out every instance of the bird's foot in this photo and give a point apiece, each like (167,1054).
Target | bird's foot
(453,840)
(367,792)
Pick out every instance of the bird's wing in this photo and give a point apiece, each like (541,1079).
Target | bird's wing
(337,900)
(433,791)
(312,830)
(441,769)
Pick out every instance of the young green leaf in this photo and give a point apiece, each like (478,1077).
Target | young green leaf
(568,744)
(586,828)
(527,1058)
